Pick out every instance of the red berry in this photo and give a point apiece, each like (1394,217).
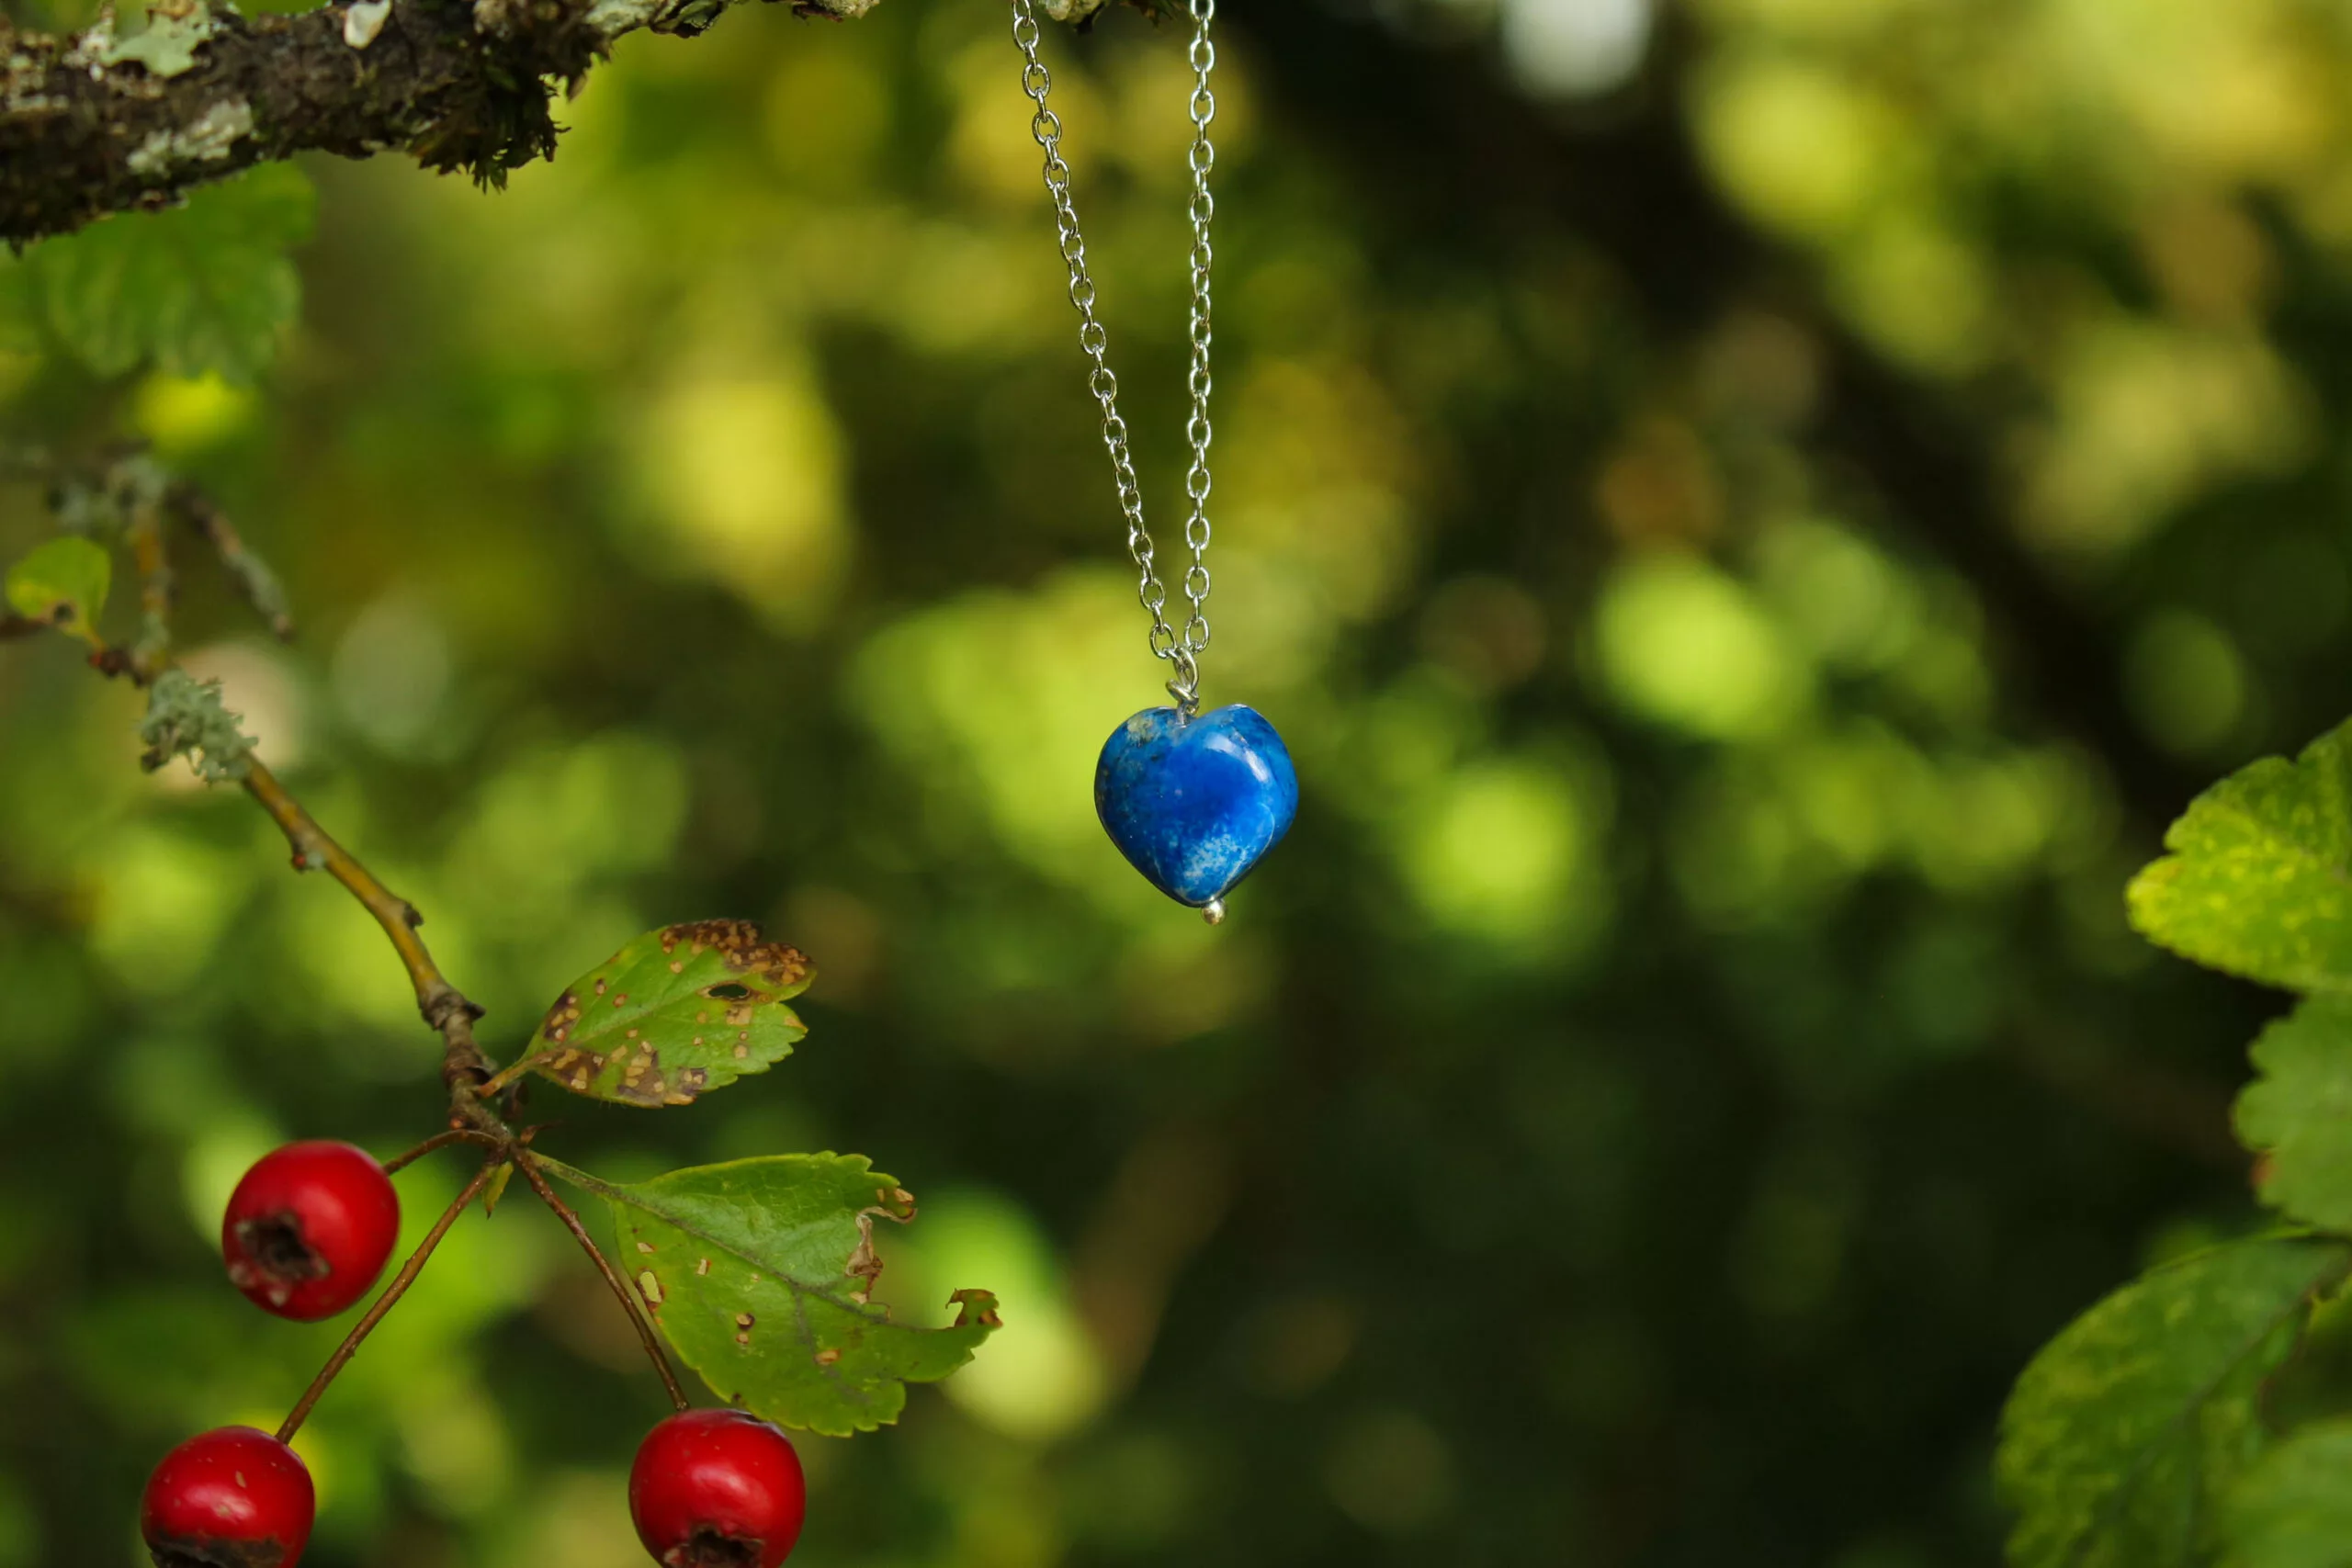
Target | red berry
(231,1498)
(309,1228)
(716,1489)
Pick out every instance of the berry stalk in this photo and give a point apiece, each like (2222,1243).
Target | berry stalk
(440,1141)
(385,1303)
(528,1164)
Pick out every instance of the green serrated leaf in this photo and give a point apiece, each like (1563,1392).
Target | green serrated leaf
(2297,1112)
(2259,879)
(62,582)
(2128,1426)
(674,1014)
(2294,1508)
(758,1273)
(203,288)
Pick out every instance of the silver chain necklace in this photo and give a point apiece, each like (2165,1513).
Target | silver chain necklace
(1182,650)
(1194,800)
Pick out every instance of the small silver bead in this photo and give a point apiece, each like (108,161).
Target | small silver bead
(1214,911)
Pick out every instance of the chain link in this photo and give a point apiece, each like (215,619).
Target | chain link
(1181,648)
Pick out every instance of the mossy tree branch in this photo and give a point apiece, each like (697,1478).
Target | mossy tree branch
(92,124)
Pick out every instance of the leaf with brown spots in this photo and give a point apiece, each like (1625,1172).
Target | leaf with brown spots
(758,1270)
(674,1014)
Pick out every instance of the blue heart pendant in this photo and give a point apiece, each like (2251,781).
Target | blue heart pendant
(1194,804)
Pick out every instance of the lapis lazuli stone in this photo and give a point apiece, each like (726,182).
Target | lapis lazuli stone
(1195,803)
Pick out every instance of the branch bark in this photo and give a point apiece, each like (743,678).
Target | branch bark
(93,124)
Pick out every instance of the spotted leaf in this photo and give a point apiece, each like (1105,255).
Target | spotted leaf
(758,1272)
(675,1013)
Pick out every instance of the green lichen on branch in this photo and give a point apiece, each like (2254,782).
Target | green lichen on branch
(254,580)
(101,503)
(186,718)
(167,45)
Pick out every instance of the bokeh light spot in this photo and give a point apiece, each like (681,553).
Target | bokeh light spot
(744,476)
(1390,1471)
(1503,852)
(1575,49)
(1041,1377)
(2187,681)
(1799,144)
(162,901)
(1682,643)
(391,670)
(184,414)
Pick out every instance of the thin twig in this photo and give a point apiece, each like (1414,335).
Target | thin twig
(439,1140)
(385,1303)
(444,1006)
(252,577)
(314,851)
(157,588)
(527,1164)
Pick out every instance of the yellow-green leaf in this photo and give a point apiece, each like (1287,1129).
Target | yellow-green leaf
(63,582)
(2258,880)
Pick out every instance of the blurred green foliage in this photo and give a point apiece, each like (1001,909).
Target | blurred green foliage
(1750,519)
(203,289)
(2151,1404)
